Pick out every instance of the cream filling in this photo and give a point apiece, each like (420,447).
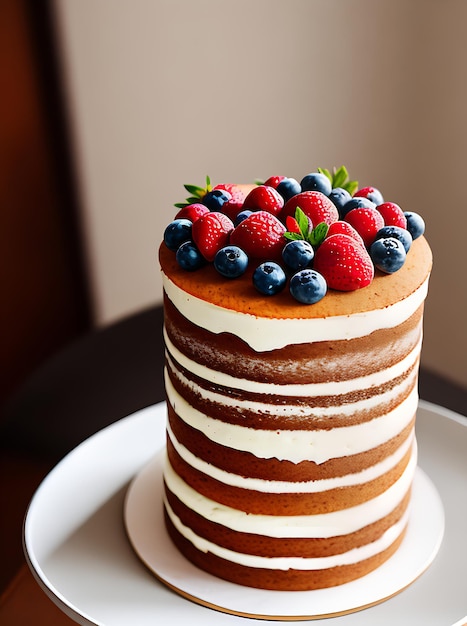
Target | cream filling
(264,334)
(298,445)
(281,486)
(297,563)
(292,410)
(323,525)
(311,389)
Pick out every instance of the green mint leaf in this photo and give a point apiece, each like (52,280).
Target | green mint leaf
(302,221)
(318,234)
(292,236)
(194,190)
(340,177)
(180,205)
(351,186)
(323,170)
(208,184)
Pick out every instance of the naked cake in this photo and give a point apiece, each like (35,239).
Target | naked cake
(291,410)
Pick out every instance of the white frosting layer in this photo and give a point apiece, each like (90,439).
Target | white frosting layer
(298,445)
(311,389)
(280,486)
(298,563)
(333,524)
(291,410)
(264,334)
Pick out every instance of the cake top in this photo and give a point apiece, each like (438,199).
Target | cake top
(272,249)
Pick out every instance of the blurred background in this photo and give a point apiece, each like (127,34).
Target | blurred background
(109,106)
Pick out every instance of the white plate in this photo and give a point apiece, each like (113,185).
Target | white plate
(76,545)
(146,529)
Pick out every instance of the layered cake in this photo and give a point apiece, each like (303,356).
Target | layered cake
(291,411)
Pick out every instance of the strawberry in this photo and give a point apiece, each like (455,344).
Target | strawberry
(192,212)
(344,263)
(261,235)
(392,214)
(235,204)
(264,198)
(367,222)
(273,181)
(211,233)
(318,207)
(292,225)
(344,228)
(371,193)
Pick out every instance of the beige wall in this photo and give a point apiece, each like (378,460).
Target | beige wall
(163,92)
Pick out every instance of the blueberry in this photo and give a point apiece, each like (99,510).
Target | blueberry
(356,203)
(298,254)
(242,216)
(388,255)
(177,232)
(231,261)
(415,224)
(308,286)
(339,196)
(398,233)
(269,278)
(288,188)
(216,199)
(316,182)
(189,257)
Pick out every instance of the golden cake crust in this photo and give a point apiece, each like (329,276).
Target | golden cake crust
(240,294)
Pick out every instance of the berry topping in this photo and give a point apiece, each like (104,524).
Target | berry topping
(398,233)
(392,214)
(415,224)
(340,197)
(231,261)
(261,235)
(316,181)
(189,257)
(273,181)
(371,193)
(177,232)
(242,216)
(269,278)
(216,199)
(298,254)
(388,254)
(211,233)
(264,198)
(293,227)
(344,228)
(288,187)
(343,262)
(366,222)
(308,286)
(237,197)
(192,211)
(323,233)
(356,203)
(314,204)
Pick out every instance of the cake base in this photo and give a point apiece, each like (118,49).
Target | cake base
(144,520)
